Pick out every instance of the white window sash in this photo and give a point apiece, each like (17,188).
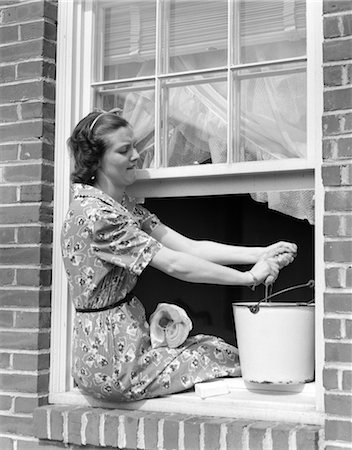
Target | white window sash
(75,39)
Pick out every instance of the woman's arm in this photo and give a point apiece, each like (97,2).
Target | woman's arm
(186,267)
(220,253)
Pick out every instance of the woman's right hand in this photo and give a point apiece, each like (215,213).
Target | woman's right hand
(266,270)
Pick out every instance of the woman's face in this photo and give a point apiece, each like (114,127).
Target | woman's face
(118,163)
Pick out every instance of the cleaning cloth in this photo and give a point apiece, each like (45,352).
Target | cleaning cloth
(169,326)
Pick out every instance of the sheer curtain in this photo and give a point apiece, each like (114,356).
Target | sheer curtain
(272,106)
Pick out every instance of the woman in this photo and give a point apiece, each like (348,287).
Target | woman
(107,240)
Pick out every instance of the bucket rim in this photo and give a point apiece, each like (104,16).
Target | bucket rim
(274,304)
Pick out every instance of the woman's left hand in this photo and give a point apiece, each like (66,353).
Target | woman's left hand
(282,252)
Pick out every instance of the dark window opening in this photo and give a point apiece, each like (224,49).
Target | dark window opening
(232,219)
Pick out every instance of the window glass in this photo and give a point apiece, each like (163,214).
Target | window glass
(136,102)
(196,121)
(271,30)
(127,31)
(195,35)
(273,113)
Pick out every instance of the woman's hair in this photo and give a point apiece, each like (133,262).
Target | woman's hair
(87,143)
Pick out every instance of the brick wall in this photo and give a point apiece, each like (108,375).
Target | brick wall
(27,105)
(337,179)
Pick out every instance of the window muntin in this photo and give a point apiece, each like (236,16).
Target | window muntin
(255,111)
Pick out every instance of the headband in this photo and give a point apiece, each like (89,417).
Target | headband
(116,111)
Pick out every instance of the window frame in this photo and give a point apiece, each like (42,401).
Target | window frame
(74,99)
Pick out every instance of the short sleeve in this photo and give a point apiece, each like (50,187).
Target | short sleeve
(117,239)
(148,220)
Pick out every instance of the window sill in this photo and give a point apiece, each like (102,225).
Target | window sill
(282,406)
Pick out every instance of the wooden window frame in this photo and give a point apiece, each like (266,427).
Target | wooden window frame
(74,100)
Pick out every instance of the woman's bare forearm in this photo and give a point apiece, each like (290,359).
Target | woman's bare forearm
(226,254)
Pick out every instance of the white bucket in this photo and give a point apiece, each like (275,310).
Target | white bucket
(276,344)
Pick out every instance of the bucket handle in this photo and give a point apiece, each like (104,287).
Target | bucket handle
(255,308)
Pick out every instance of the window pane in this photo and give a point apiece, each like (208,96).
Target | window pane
(127,33)
(196,118)
(273,113)
(197,35)
(272,29)
(136,102)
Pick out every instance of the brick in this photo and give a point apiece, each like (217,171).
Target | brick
(8,152)
(7,235)
(338,352)
(38,29)
(307,437)
(338,404)
(8,113)
(338,99)
(111,426)
(338,225)
(34,69)
(5,402)
(151,430)
(4,361)
(7,73)
(74,425)
(234,434)
(8,194)
(22,50)
(337,50)
(338,430)
(26,405)
(212,430)
(37,150)
(280,436)
(331,27)
(131,424)
(6,319)
(330,379)
(338,303)
(24,383)
(25,340)
(26,214)
(19,13)
(256,435)
(337,124)
(29,361)
(36,193)
(171,429)
(35,235)
(22,130)
(346,175)
(92,428)
(33,277)
(348,326)
(335,149)
(16,256)
(23,297)
(6,443)
(8,34)
(340,251)
(331,175)
(40,423)
(12,425)
(334,6)
(347,380)
(57,423)
(7,276)
(29,172)
(29,319)
(37,110)
(20,92)
(346,21)
(332,75)
(334,277)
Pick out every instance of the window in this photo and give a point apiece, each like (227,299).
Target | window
(223,95)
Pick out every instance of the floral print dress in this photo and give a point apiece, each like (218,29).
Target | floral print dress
(105,247)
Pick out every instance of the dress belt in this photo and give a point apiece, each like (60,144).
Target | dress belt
(126,299)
